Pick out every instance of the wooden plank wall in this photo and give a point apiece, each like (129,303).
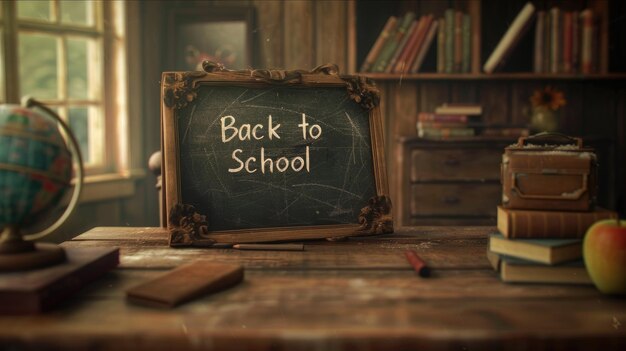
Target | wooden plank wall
(301,34)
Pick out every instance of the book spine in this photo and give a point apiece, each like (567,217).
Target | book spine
(449,67)
(425,46)
(467,49)
(586,42)
(547,224)
(441,46)
(547,43)
(554,39)
(401,64)
(539,43)
(419,41)
(379,43)
(441,124)
(432,117)
(458,41)
(575,42)
(444,132)
(401,47)
(510,38)
(567,42)
(389,51)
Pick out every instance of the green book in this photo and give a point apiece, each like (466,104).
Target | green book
(388,51)
(547,251)
(441,46)
(515,270)
(449,44)
(467,47)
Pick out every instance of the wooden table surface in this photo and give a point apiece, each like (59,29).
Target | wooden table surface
(359,294)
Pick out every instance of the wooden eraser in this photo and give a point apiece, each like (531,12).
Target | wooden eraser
(185,283)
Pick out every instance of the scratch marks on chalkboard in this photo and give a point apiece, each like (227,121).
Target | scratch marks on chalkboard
(193,110)
(206,132)
(257,95)
(327,187)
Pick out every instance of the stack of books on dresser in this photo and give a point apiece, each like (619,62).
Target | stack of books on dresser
(548,204)
(449,121)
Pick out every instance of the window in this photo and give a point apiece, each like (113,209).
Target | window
(70,55)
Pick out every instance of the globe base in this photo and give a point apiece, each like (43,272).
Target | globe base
(43,255)
(19,255)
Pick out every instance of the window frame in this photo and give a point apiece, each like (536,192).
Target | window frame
(123,161)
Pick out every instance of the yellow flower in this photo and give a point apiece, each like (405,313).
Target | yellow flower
(548,97)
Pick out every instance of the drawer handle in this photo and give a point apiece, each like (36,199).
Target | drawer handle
(451,162)
(451,200)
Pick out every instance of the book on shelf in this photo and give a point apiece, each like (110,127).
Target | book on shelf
(372,55)
(466,60)
(422,31)
(458,41)
(400,52)
(548,224)
(41,289)
(546,251)
(510,38)
(555,39)
(539,53)
(449,45)
(567,42)
(587,39)
(441,46)
(459,109)
(424,47)
(515,270)
(392,43)
(444,133)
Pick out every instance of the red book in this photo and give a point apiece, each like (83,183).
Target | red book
(567,42)
(418,43)
(458,41)
(400,63)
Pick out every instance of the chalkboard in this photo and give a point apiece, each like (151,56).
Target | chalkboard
(255,156)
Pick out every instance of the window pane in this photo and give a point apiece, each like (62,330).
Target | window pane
(87,127)
(77,64)
(78,12)
(79,122)
(38,65)
(34,9)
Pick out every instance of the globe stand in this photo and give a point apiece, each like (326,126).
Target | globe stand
(16,254)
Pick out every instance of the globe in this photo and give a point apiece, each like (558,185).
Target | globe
(35,165)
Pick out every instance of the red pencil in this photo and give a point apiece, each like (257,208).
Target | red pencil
(418,264)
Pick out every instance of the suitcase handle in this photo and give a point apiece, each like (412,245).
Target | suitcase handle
(574,195)
(554,136)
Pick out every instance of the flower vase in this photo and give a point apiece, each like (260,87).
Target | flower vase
(544,119)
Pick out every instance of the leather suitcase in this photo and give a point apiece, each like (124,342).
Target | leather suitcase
(549,171)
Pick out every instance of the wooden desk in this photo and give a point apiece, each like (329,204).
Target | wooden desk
(359,294)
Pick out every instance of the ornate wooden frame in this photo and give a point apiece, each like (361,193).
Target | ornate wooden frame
(189,228)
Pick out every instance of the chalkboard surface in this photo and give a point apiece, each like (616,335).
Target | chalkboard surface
(258,161)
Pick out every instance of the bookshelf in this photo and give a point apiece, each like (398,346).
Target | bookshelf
(596,108)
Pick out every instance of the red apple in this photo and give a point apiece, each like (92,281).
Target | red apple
(604,251)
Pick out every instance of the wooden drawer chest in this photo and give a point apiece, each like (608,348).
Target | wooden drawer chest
(448,182)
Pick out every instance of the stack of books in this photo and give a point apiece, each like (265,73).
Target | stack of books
(535,246)
(449,121)
(402,44)
(566,42)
